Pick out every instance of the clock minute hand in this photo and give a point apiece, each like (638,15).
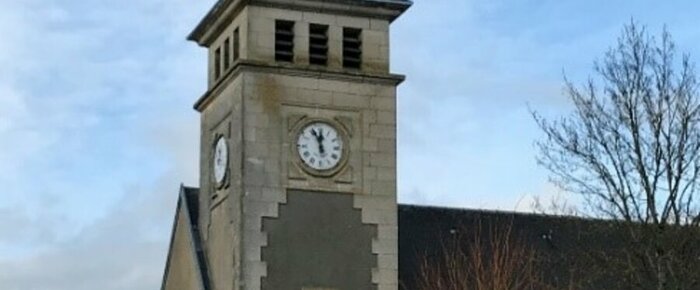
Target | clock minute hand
(319,138)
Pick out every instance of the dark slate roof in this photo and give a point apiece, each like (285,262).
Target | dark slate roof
(560,240)
(191,195)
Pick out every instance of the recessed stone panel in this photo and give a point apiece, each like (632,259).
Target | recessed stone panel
(318,241)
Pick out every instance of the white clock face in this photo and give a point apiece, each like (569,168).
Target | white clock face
(220,160)
(320,146)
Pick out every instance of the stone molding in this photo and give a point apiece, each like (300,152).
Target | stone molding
(217,18)
(253,66)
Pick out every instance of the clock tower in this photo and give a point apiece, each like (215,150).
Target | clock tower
(298,150)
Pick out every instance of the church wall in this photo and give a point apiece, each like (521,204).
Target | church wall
(271,104)
(221,207)
(220,248)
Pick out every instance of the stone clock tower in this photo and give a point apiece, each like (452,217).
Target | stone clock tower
(298,150)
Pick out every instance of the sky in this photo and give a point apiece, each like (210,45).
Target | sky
(97,129)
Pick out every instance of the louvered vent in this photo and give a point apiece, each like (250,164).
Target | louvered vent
(236,44)
(217,63)
(318,44)
(284,40)
(352,48)
(227,54)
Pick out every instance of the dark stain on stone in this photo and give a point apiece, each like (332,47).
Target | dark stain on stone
(269,93)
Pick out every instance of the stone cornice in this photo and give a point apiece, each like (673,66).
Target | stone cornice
(212,23)
(321,73)
(225,10)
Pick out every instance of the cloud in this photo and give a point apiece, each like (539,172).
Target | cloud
(96,133)
(550,199)
(124,249)
(474,67)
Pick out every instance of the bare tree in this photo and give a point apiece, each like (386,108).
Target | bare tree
(631,148)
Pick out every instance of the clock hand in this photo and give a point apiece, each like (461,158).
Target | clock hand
(320,146)
(319,138)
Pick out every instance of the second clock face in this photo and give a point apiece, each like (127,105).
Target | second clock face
(220,160)
(320,146)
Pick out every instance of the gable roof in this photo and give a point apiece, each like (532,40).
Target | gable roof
(188,204)
(560,242)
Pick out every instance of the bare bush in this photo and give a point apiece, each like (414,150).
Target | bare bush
(488,259)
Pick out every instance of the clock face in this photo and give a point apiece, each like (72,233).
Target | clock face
(320,146)
(220,160)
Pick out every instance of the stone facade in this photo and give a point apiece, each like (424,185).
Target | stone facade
(272,102)
(258,104)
